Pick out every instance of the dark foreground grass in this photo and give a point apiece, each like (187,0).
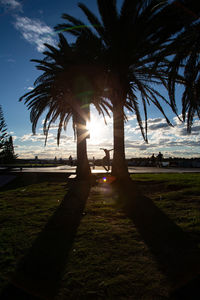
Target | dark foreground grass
(109,258)
(178,195)
(24,212)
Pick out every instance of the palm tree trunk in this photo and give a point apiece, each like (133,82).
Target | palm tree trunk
(119,166)
(83,168)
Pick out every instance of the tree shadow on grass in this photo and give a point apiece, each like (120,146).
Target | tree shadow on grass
(177,255)
(39,273)
(25,179)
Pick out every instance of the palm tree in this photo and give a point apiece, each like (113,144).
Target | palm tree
(186,65)
(65,90)
(132,39)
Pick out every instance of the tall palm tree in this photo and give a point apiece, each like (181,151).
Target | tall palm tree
(132,40)
(65,90)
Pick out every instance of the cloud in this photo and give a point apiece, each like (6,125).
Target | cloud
(171,141)
(30,88)
(196,129)
(33,137)
(52,139)
(131,117)
(158,126)
(11,5)
(156,120)
(178,119)
(31,151)
(53,126)
(10,60)
(35,32)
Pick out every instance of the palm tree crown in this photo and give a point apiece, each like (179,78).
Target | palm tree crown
(131,41)
(65,90)
(186,64)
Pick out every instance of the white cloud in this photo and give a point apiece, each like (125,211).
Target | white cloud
(31,151)
(156,120)
(30,88)
(171,141)
(32,138)
(35,32)
(178,119)
(158,126)
(14,137)
(131,117)
(52,139)
(11,5)
(53,126)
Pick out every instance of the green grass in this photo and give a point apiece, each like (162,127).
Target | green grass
(109,259)
(178,195)
(189,179)
(24,212)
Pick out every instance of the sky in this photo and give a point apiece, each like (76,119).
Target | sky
(25,26)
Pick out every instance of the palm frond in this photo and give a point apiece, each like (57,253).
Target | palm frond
(94,21)
(138,115)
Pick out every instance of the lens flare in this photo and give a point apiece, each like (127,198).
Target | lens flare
(76,27)
(109,179)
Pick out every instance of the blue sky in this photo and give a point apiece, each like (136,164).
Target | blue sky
(24,27)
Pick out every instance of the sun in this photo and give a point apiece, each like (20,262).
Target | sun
(96,128)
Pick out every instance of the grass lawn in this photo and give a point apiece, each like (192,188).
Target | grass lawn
(109,259)
(178,195)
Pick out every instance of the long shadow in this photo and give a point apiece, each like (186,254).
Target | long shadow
(177,255)
(24,179)
(39,273)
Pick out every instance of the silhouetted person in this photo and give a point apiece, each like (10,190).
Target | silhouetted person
(93,161)
(106,159)
(160,158)
(70,161)
(153,160)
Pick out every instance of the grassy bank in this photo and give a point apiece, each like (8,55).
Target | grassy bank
(109,258)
